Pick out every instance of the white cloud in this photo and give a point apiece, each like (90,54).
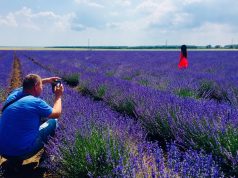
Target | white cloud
(164,18)
(129,22)
(162,14)
(211,33)
(154,6)
(89,3)
(9,20)
(187,2)
(104,3)
(213,27)
(45,20)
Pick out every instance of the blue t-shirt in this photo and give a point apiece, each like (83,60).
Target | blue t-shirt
(20,122)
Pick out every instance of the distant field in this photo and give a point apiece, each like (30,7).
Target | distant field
(130,108)
(92,48)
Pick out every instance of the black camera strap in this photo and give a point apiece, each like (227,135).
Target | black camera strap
(12,101)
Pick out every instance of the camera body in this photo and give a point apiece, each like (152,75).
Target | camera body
(54,84)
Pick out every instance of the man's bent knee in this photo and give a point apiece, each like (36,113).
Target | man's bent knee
(48,129)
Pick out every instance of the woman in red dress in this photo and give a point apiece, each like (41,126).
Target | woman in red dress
(183,63)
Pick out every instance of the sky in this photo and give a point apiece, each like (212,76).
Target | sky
(118,22)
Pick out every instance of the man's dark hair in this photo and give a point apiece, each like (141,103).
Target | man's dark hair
(30,81)
(184,50)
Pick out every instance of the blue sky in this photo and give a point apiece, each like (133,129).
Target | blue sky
(118,22)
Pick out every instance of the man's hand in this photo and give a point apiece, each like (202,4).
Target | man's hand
(50,79)
(57,108)
(59,90)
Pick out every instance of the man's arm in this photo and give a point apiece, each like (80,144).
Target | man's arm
(57,108)
(49,80)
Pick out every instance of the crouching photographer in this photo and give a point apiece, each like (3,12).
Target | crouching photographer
(21,135)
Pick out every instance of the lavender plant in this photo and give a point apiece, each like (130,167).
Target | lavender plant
(1,171)
(150,104)
(71,79)
(92,155)
(181,163)
(6,61)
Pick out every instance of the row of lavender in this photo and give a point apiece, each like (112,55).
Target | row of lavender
(200,124)
(211,74)
(6,61)
(93,140)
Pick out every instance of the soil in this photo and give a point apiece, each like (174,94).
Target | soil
(28,169)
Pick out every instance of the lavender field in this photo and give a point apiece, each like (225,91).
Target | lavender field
(135,114)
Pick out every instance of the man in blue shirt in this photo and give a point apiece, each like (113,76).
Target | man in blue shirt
(21,135)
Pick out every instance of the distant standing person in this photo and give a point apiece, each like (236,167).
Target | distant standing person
(183,62)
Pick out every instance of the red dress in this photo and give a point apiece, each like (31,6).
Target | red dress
(183,63)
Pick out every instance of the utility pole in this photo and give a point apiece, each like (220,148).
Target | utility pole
(88,43)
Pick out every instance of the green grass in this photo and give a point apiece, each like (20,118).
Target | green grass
(185,92)
(228,140)
(72,80)
(100,92)
(110,73)
(144,82)
(91,155)
(127,106)
(211,90)
(129,78)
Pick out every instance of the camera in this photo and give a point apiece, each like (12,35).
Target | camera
(54,84)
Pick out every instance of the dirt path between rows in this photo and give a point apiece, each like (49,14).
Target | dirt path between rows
(30,166)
